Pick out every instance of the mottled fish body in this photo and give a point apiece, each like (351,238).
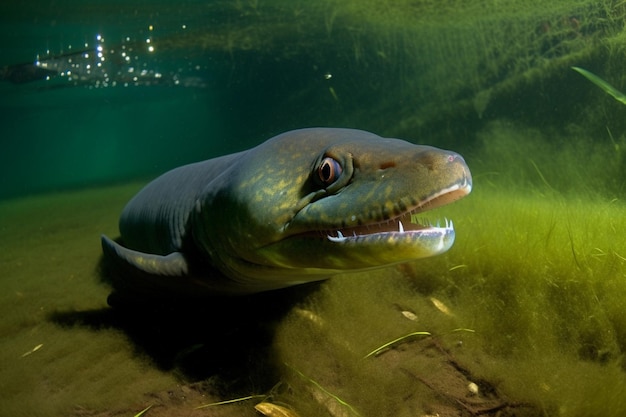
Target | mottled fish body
(303,206)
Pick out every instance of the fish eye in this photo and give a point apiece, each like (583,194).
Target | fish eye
(329,170)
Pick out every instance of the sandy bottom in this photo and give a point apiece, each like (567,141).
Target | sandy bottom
(64,351)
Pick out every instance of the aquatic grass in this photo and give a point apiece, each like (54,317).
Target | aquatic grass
(604,86)
(232,401)
(317,385)
(347,315)
(404,338)
(543,283)
(142,412)
(540,295)
(548,163)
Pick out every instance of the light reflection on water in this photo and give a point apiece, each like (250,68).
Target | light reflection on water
(132,62)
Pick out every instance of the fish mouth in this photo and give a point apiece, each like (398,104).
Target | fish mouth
(407,224)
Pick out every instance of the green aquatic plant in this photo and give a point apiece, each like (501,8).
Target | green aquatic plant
(234,400)
(318,386)
(394,342)
(144,411)
(604,86)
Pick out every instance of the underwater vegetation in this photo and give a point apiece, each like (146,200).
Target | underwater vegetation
(604,86)
(534,312)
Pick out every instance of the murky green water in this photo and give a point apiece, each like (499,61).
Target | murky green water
(529,300)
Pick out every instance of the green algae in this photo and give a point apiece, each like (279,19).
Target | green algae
(543,296)
(447,58)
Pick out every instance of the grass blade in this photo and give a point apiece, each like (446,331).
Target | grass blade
(142,412)
(236,400)
(393,342)
(606,87)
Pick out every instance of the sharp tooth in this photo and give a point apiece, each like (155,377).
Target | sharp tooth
(339,238)
(400,226)
(334,239)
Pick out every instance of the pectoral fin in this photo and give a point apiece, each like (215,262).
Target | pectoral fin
(173,264)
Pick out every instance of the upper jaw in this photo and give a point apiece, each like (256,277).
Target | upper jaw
(406,223)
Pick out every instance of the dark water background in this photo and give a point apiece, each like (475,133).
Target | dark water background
(58,133)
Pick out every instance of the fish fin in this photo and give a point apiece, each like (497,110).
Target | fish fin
(171,265)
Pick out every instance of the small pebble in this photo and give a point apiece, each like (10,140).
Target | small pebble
(473,388)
